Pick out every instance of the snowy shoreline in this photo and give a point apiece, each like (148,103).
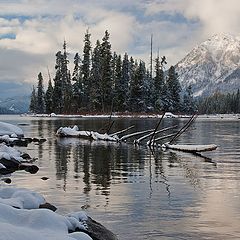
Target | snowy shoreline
(25,214)
(116,115)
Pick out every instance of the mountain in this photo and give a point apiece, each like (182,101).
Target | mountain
(13,105)
(214,65)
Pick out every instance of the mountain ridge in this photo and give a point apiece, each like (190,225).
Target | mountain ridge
(213,65)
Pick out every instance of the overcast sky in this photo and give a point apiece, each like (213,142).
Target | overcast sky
(32,31)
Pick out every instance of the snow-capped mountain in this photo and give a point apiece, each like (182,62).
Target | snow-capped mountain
(212,66)
(13,105)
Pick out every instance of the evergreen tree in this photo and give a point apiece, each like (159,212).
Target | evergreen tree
(95,90)
(188,101)
(33,101)
(159,88)
(106,73)
(174,90)
(66,79)
(77,101)
(137,89)
(120,87)
(58,85)
(40,95)
(86,69)
(49,97)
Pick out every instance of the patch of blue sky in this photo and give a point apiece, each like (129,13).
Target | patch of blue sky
(8,36)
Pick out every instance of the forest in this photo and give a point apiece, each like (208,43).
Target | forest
(103,81)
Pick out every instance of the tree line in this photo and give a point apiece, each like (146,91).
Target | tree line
(220,103)
(103,81)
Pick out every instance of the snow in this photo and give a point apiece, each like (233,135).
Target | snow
(9,129)
(74,132)
(190,148)
(10,153)
(209,65)
(35,223)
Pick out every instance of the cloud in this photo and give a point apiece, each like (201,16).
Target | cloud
(215,16)
(31,32)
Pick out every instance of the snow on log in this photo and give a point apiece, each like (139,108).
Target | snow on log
(190,148)
(9,129)
(74,132)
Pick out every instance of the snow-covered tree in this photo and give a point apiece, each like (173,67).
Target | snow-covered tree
(49,98)
(33,101)
(40,95)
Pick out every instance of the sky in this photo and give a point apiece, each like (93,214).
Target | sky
(32,31)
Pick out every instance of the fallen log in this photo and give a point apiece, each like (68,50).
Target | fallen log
(135,134)
(190,147)
(151,134)
(121,131)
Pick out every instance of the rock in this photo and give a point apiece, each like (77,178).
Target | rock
(7,180)
(48,206)
(98,232)
(29,168)
(44,178)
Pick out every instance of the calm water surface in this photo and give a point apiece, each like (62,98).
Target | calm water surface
(137,193)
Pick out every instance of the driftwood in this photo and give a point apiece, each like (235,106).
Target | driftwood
(152,133)
(191,147)
(184,128)
(121,131)
(135,134)
(155,130)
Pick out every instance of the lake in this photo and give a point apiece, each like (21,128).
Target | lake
(133,191)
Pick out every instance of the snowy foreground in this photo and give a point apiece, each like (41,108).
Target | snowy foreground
(25,215)
(22,219)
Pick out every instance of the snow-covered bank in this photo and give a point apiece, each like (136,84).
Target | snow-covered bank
(22,219)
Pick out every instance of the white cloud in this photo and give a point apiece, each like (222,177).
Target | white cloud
(41,26)
(215,16)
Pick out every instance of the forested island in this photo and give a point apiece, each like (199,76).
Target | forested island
(103,81)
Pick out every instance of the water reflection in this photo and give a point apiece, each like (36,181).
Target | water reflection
(139,193)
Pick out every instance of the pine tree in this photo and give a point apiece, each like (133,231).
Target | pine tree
(58,85)
(33,101)
(49,97)
(120,87)
(174,90)
(159,88)
(106,73)
(86,69)
(137,102)
(188,101)
(95,90)
(77,101)
(40,95)
(66,79)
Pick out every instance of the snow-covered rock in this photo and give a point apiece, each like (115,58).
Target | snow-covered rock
(213,65)
(22,219)
(9,129)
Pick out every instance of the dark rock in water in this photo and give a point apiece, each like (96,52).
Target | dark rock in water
(35,140)
(7,180)
(29,140)
(98,232)
(25,156)
(44,178)
(29,168)
(48,206)
(42,140)
(10,164)
(20,143)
